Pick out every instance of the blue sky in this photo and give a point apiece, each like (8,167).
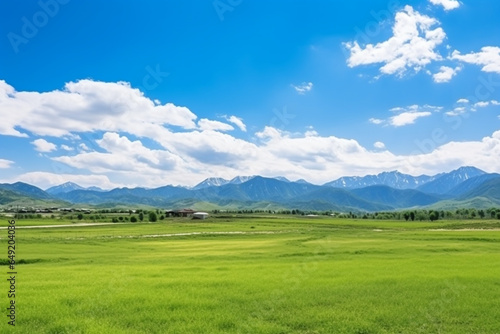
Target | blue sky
(149,93)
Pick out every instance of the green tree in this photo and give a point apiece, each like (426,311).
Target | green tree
(433,215)
(152,216)
(80,216)
(133,219)
(141,216)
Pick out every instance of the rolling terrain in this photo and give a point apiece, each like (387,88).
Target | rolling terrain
(385,191)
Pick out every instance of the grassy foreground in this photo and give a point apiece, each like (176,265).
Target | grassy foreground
(257,275)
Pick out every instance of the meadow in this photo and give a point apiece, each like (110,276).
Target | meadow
(267,274)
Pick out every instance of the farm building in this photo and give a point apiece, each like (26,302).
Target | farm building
(200,215)
(180,213)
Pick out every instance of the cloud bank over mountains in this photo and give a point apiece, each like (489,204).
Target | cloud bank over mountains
(110,134)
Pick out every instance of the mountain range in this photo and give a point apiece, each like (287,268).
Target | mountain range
(385,191)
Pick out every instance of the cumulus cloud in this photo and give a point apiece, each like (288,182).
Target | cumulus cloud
(488,58)
(206,124)
(83,147)
(457,111)
(445,74)
(481,154)
(158,154)
(41,145)
(303,87)
(4,164)
(46,180)
(67,148)
(376,121)
(407,118)
(464,106)
(121,154)
(406,115)
(447,4)
(412,46)
(318,159)
(237,121)
(482,104)
(86,106)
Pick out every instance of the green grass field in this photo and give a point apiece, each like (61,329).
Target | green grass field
(257,275)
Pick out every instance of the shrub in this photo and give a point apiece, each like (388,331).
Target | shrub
(152,216)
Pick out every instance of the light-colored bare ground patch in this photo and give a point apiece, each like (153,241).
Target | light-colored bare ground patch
(464,229)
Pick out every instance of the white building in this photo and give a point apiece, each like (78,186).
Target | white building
(200,215)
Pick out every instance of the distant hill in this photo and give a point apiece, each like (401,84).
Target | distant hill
(447,181)
(342,199)
(241,179)
(63,188)
(396,198)
(464,187)
(7,196)
(211,182)
(68,187)
(27,190)
(471,184)
(392,179)
(489,189)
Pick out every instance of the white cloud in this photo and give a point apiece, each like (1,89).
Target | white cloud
(447,4)
(206,124)
(488,57)
(86,106)
(407,118)
(482,104)
(67,148)
(379,145)
(238,122)
(482,154)
(4,164)
(121,155)
(412,46)
(157,154)
(407,115)
(315,158)
(41,145)
(464,107)
(303,87)
(46,180)
(376,121)
(83,147)
(445,74)
(457,111)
